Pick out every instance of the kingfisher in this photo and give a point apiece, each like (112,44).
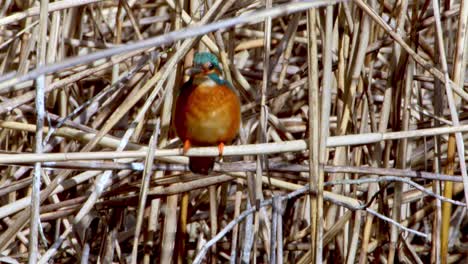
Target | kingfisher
(207,111)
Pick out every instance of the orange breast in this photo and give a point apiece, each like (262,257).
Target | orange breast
(207,115)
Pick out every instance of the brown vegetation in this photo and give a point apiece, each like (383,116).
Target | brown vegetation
(352,147)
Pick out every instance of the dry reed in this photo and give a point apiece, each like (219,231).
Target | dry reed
(352,147)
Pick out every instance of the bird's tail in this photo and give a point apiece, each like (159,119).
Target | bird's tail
(201,165)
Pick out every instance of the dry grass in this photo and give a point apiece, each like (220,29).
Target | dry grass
(345,152)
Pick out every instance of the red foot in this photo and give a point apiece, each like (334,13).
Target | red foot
(187,146)
(220,149)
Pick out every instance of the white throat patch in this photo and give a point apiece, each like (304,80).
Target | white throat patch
(206,81)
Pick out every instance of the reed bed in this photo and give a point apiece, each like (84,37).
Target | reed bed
(351,148)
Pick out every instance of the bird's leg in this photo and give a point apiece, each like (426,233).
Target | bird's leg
(221,149)
(187,146)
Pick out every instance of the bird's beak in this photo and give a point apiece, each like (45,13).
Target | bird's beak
(194,70)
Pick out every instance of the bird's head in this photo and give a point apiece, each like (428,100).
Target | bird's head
(205,63)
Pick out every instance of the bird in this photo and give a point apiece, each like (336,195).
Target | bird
(207,111)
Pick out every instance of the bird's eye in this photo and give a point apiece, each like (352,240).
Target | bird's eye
(209,66)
